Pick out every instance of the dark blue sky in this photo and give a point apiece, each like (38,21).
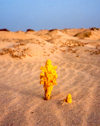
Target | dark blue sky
(47,14)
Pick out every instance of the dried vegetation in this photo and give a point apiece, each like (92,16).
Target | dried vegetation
(16,51)
(73,43)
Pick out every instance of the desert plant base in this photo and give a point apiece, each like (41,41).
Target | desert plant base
(48,92)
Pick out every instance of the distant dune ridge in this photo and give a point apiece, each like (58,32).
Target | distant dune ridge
(76,52)
(84,34)
(4,29)
(30,30)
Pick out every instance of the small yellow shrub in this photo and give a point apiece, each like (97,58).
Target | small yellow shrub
(69,98)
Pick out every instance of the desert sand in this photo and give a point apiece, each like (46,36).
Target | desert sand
(76,52)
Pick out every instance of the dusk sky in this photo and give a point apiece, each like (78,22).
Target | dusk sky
(49,14)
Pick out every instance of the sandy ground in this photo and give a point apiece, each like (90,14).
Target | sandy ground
(21,95)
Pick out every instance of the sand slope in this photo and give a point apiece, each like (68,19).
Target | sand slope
(22,97)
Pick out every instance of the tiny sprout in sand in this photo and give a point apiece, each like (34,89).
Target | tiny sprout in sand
(69,98)
(48,78)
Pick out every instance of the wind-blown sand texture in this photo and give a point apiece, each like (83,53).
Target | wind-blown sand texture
(77,56)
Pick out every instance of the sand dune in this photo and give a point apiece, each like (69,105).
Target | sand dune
(21,95)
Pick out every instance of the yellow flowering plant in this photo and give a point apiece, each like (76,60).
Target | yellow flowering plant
(48,78)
